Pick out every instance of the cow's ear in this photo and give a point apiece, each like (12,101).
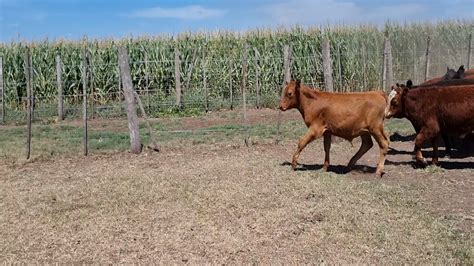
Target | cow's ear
(461,70)
(298,83)
(286,83)
(409,84)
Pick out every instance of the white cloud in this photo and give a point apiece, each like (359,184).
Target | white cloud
(308,12)
(186,12)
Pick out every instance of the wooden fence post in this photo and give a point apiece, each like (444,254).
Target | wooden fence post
(244,89)
(59,86)
(29,94)
(427,55)
(147,83)
(2,93)
(469,51)
(124,65)
(90,72)
(384,65)
(327,65)
(204,81)
(339,66)
(387,68)
(231,95)
(85,138)
(257,73)
(364,66)
(415,62)
(177,78)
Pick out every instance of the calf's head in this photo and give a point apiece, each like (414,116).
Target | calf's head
(290,96)
(395,105)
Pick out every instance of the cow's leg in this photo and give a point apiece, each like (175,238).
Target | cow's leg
(427,132)
(311,134)
(447,145)
(327,147)
(381,137)
(435,151)
(364,147)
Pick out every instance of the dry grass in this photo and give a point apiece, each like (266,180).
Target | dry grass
(208,198)
(207,203)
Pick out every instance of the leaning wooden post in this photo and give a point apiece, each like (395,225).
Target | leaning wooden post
(469,51)
(327,65)
(244,89)
(29,94)
(177,78)
(427,55)
(59,85)
(85,138)
(124,65)
(155,146)
(2,93)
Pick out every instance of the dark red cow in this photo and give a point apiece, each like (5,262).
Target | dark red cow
(433,110)
(346,115)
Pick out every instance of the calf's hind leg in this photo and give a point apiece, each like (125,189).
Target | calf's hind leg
(364,147)
(382,140)
(327,147)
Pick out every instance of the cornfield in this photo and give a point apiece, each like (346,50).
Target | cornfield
(356,55)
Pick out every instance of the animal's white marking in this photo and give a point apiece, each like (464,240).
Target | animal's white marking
(392,95)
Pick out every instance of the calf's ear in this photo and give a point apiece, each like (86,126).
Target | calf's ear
(298,83)
(409,84)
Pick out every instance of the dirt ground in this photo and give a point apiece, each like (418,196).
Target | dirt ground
(227,203)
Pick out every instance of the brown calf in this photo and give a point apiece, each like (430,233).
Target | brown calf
(433,110)
(346,115)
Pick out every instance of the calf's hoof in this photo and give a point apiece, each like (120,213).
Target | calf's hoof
(421,163)
(294,165)
(379,173)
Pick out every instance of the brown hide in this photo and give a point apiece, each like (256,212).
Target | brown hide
(434,110)
(346,115)
(468,74)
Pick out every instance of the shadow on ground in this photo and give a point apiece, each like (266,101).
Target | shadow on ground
(337,169)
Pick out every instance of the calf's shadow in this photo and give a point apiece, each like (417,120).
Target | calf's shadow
(337,169)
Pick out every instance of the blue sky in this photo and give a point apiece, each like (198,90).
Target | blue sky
(72,19)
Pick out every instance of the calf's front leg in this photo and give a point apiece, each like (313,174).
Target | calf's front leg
(310,135)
